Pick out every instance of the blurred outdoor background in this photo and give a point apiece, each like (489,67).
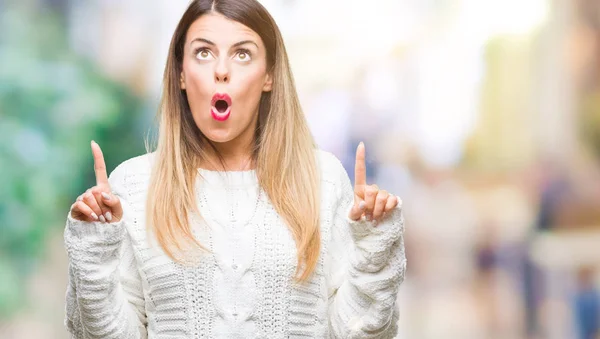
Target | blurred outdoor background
(483,115)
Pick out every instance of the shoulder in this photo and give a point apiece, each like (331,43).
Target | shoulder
(131,170)
(331,169)
(328,163)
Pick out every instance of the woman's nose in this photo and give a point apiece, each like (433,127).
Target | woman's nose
(221,72)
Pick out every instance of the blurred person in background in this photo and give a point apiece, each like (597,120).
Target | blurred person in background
(236,226)
(587,305)
(487,266)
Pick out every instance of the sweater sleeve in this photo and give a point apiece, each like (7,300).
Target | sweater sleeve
(367,266)
(104,297)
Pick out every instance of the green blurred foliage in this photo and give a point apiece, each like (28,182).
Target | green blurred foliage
(52,103)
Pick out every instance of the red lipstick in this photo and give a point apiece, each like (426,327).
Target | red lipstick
(221,106)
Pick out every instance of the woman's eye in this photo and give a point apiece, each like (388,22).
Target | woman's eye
(203,54)
(243,56)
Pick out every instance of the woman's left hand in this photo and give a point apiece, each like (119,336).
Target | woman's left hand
(369,200)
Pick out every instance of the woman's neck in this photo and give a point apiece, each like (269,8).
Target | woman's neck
(229,158)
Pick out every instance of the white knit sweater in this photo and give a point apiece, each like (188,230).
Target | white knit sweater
(122,285)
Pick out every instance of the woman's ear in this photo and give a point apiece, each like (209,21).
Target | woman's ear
(181,81)
(268,83)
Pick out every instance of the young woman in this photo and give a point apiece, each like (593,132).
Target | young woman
(236,226)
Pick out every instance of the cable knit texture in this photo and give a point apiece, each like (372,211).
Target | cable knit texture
(122,284)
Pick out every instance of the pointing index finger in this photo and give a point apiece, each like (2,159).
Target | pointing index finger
(99,165)
(360,169)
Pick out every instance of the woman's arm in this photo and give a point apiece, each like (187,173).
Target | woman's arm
(104,297)
(367,264)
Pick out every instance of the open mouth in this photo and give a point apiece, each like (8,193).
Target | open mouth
(221,106)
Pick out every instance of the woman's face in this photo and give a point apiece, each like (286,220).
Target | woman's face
(224,75)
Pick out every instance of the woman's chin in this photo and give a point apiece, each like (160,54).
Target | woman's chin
(219,136)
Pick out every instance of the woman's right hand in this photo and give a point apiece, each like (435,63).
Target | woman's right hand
(98,203)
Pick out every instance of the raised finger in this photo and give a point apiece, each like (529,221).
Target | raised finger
(99,165)
(360,169)
(380,202)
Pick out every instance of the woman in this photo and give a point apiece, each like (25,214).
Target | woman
(236,226)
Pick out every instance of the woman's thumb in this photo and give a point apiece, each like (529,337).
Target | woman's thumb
(357,210)
(114,203)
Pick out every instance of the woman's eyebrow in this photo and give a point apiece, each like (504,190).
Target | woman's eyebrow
(244,42)
(203,40)
(237,44)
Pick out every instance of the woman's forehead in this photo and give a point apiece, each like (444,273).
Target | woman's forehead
(220,30)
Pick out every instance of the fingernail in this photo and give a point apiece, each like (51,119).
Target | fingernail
(108,216)
(105,196)
(375,223)
(369,217)
(94,216)
(102,218)
(361,205)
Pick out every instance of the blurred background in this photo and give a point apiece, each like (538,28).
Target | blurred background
(483,115)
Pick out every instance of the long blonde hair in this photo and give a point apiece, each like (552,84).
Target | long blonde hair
(284,149)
